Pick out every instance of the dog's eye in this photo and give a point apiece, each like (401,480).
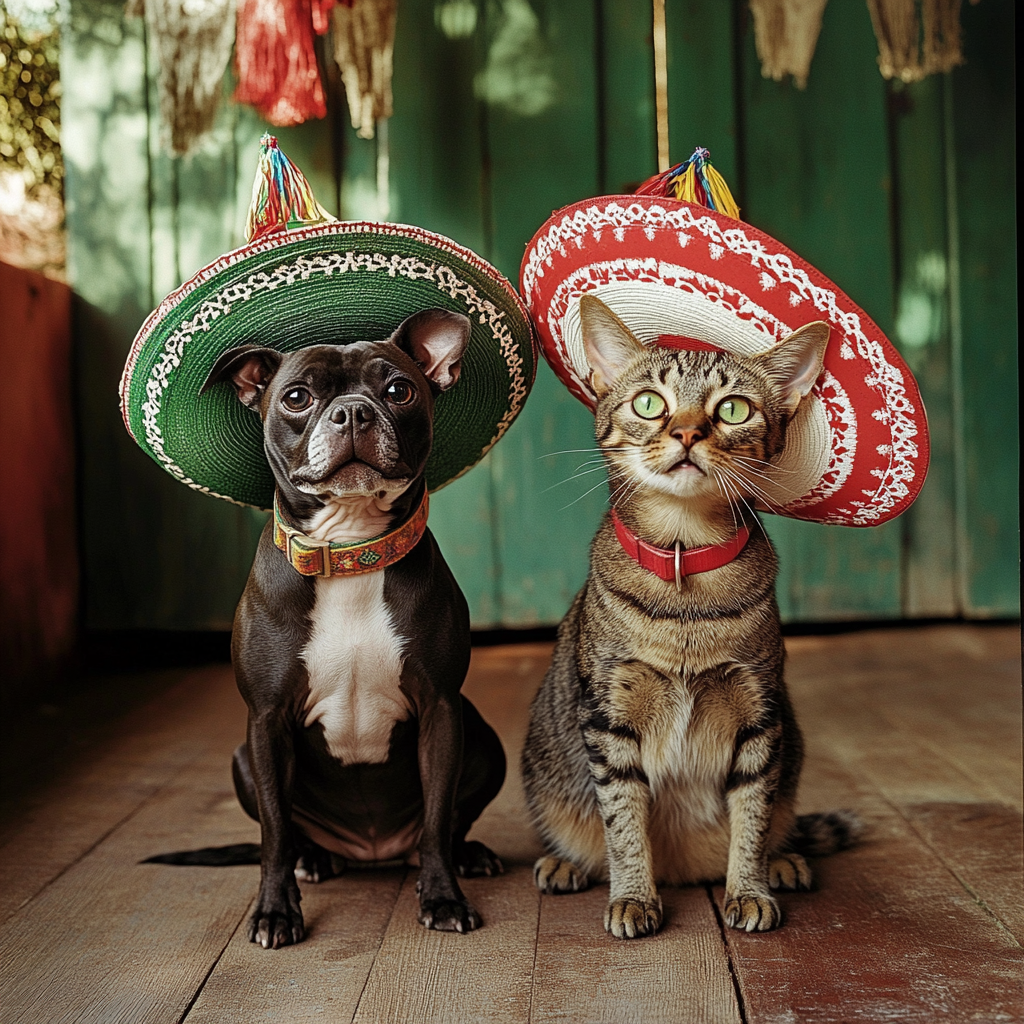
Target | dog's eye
(399,392)
(297,399)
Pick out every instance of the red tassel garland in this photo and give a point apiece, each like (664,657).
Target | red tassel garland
(275,60)
(322,15)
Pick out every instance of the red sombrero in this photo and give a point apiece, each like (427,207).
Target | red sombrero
(679,273)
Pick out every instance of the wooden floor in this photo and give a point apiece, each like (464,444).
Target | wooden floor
(917,729)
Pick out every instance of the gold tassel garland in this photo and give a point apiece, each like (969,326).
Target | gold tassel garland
(916,37)
(193,40)
(364,37)
(785,34)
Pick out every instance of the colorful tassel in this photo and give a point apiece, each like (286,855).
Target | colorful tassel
(694,181)
(281,196)
(275,60)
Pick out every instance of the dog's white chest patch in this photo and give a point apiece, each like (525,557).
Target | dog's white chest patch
(354,662)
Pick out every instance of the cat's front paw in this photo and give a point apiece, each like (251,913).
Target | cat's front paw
(631,918)
(554,875)
(751,913)
(789,871)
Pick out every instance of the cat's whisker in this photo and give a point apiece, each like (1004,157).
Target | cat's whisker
(579,451)
(740,478)
(761,475)
(582,496)
(760,495)
(727,496)
(575,476)
(777,468)
(743,485)
(621,494)
(757,519)
(736,479)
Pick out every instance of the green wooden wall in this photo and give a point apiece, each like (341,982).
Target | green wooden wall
(904,195)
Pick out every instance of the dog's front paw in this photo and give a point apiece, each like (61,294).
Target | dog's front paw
(630,918)
(473,859)
(277,921)
(748,912)
(449,915)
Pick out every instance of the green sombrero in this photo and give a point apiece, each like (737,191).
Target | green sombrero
(307,279)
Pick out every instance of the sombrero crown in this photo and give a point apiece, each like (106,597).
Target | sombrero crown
(679,268)
(303,279)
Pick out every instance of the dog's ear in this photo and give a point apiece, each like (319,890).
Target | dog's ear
(249,368)
(436,340)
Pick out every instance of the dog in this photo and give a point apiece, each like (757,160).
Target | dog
(359,744)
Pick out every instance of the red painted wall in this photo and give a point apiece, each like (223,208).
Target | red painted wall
(38,542)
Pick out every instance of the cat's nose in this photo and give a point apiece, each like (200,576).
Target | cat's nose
(687,436)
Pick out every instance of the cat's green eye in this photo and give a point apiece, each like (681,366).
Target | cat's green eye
(649,404)
(733,410)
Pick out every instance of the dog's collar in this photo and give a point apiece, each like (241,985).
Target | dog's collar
(331,558)
(672,564)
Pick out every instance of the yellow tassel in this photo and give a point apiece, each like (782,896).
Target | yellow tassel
(720,193)
(695,181)
(686,185)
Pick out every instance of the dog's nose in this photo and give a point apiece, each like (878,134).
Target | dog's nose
(356,414)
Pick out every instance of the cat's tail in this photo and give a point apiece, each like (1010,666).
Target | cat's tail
(818,835)
(211,856)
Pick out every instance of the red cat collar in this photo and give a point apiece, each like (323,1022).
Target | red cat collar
(331,558)
(672,564)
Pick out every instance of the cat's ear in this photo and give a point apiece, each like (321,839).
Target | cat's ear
(609,343)
(795,363)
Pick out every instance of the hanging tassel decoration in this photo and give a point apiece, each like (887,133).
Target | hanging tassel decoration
(694,181)
(785,35)
(916,37)
(364,39)
(193,40)
(275,60)
(282,198)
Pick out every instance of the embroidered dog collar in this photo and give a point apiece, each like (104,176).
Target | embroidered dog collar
(672,564)
(331,558)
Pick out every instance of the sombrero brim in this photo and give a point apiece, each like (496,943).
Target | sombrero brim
(856,455)
(333,283)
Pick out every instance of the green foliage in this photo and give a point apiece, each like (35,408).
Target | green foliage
(30,104)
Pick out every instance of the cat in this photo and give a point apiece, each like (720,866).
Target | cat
(662,745)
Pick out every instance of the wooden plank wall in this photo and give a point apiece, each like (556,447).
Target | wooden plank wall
(903,194)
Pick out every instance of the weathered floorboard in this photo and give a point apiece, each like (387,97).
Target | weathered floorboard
(202,713)
(583,974)
(889,934)
(981,845)
(321,979)
(920,922)
(482,976)
(112,940)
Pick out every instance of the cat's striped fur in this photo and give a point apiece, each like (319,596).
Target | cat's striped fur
(662,745)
